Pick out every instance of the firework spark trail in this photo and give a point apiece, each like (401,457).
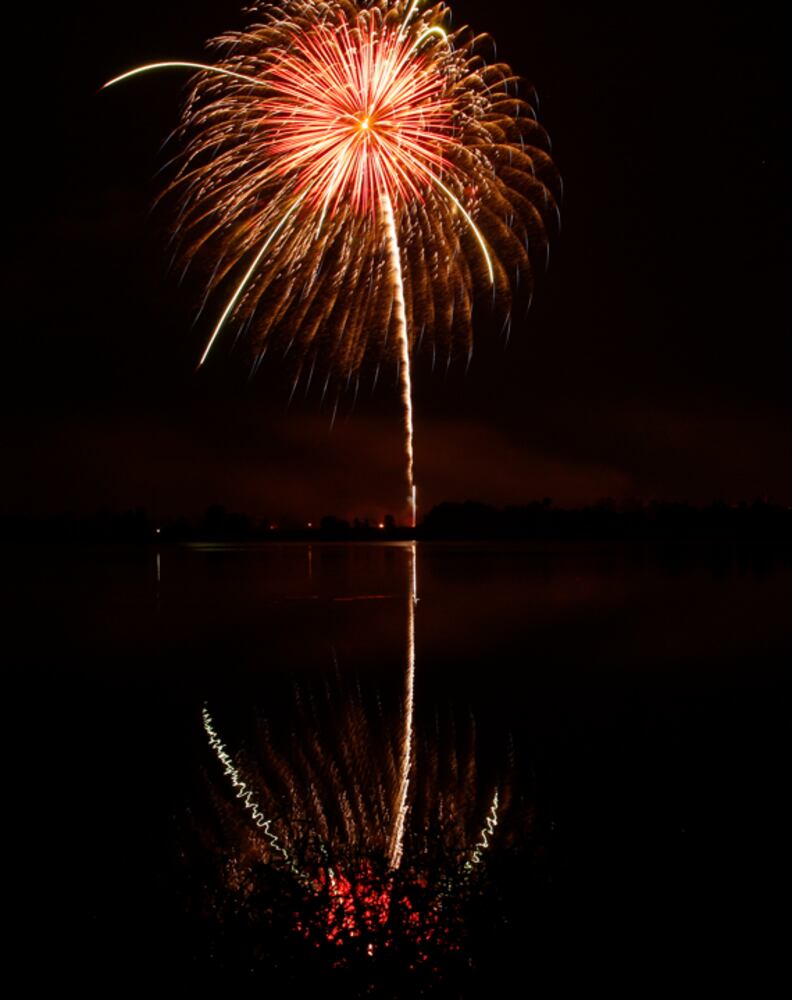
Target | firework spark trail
(319,125)
(405,360)
(182,65)
(244,793)
(250,272)
(407,18)
(396,846)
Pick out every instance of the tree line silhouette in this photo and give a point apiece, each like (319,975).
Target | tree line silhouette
(606,519)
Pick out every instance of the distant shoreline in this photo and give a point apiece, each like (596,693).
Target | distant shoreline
(757,522)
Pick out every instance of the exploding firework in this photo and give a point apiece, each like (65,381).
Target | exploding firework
(354,175)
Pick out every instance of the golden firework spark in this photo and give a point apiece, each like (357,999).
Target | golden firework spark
(355,175)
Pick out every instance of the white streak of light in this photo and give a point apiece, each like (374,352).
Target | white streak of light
(470,222)
(182,65)
(394,256)
(434,30)
(484,836)
(407,18)
(396,846)
(243,792)
(249,274)
(414,562)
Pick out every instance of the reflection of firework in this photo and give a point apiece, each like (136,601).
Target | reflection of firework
(356,174)
(308,820)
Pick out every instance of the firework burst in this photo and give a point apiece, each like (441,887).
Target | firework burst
(354,175)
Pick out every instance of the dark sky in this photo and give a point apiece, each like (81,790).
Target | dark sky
(654,363)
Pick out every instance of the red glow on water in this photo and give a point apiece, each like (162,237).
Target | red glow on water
(355,905)
(376,912)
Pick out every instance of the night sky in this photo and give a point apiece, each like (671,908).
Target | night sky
(654,363)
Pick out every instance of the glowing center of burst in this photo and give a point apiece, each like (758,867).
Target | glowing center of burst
(355,113)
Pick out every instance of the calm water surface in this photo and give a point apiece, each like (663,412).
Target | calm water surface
(625,703)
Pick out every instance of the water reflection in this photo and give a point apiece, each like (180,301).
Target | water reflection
(628,710)
(396,843)
(347,828)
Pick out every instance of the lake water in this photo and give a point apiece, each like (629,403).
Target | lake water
(585,744)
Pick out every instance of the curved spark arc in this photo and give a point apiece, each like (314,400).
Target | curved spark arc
(434,30)
(183,65)
(396,846)
(468,218)
(244,793)
(249,274)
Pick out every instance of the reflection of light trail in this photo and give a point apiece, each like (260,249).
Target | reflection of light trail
(486,833)
(377,851)
(396,845)
(243,792)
